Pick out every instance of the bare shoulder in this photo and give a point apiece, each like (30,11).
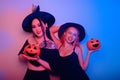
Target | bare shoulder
(31,40)
(78,50)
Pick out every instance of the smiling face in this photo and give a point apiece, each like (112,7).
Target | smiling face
(37,28)
(70,35)
(32,51)
(93,44)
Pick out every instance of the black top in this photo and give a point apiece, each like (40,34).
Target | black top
(49,55)
(70,68)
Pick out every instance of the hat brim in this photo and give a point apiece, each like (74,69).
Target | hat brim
(79,27)
(44,16)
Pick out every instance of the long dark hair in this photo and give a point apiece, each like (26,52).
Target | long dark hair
(43,30)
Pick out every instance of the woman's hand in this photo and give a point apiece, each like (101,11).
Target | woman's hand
(91,51)
(29,58)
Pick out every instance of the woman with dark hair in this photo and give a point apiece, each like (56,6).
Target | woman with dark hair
(38,23)
(71,66)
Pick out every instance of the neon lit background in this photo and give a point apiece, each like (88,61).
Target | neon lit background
(99,17)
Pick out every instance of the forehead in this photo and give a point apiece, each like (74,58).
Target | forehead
(35,20)
(73,29)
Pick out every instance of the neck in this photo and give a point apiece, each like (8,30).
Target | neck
(65,44)
(38,39)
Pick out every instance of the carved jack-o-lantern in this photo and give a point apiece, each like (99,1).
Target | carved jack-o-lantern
(32,51)
(93,44)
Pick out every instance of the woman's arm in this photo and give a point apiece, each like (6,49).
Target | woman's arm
(44,63)
(21,58)
(83,63)
(80,57)
(87,58)
(24,57)
(53,31)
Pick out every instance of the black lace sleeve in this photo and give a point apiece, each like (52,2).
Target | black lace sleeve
(21,51)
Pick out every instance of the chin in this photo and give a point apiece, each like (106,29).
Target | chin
(39,35)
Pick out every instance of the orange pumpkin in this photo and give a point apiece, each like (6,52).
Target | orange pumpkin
(32,51)
(93,44)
